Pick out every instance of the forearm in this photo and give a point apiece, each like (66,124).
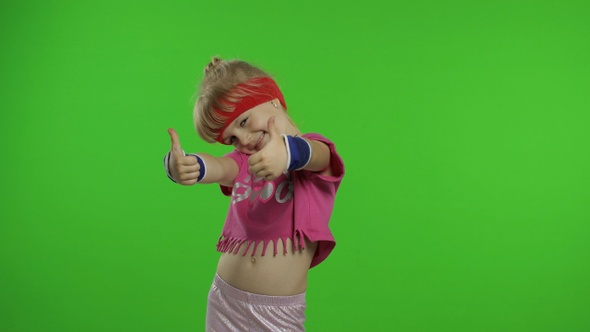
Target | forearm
(222,170)
(320,156)
(189,170)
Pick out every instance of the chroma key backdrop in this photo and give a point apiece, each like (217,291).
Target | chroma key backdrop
(464,126)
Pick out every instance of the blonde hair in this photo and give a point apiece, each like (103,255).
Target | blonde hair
(219,91)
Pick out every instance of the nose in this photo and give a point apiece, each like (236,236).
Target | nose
(242,140)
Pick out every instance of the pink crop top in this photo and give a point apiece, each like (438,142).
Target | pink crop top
(297,205)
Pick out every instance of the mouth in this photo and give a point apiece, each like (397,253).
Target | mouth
(258,145)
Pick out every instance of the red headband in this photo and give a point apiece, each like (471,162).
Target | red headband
(264,90)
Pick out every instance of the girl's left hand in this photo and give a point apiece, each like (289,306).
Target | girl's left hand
(271,161)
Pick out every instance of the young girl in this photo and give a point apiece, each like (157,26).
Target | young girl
(282,185)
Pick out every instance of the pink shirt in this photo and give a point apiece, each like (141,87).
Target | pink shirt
(297,205)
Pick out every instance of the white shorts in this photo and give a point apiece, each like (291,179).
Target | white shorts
(232,309)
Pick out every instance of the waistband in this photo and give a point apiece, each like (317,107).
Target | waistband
(254,298)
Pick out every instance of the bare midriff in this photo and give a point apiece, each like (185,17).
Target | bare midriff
(276,275)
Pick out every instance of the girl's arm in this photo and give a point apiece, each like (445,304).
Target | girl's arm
(188,169)
(320,158)
(289,153)
(222,170)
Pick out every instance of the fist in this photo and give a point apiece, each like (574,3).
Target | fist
(183,169)
(271,161)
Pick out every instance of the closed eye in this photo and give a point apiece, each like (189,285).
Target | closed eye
(243,122)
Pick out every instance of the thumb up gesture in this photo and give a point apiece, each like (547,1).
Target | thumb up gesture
(271,161)
(183,169)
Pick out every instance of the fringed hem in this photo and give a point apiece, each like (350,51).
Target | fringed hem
(233,245)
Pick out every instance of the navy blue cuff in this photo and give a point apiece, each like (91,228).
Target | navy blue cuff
(298,152)
(202,168)
(166,161)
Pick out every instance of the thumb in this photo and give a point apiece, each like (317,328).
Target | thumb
(272,126)
(176,148)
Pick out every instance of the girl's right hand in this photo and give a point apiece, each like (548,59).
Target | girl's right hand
(183,169)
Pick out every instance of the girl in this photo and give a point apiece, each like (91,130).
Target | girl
(282,185)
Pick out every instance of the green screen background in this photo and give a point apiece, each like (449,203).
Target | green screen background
(464,126)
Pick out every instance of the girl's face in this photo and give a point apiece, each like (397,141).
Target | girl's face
(249,132)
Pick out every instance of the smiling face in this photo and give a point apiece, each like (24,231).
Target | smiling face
(249,132)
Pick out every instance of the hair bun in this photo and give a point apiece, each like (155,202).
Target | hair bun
(215,61)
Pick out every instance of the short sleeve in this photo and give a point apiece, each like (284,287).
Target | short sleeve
(335,160)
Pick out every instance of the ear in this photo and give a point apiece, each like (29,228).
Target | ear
(275,102)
